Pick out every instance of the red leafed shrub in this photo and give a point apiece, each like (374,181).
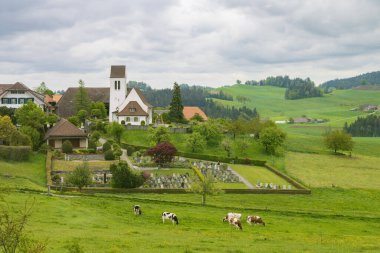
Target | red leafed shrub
(162,152)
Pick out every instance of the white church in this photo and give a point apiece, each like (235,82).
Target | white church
(127,106)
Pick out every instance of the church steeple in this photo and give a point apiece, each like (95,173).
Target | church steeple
(118,88)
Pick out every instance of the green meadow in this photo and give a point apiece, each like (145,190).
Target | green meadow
(340,219)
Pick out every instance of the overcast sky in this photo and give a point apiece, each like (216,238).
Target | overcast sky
(211,43)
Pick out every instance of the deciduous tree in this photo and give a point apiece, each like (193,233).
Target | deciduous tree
(124,177)
(162,152)
(272,138)
(6,128)
(339,140)
(116,131)
(81,176)
(158,135)
(195,142)
(205,186)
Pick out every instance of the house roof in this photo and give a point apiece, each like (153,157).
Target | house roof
(132,105)
(190,111)
(301,120)
(19,86)
(64,128)
(52,99)
(141,95)
(66,105)
(117,71)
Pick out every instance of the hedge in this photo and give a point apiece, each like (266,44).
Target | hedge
(132,148)
(15,153)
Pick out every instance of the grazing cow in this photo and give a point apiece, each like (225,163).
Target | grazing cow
(232,215)
(170,216)
(137,210)
(236,222)
(254,219)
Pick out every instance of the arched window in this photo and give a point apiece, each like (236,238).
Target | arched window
(136,119)
(115,85)
(118,85)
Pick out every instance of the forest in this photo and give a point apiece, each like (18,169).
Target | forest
(364,127)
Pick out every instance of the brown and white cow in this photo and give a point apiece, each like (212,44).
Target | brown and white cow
(229,216)
(235,222)
(254,219)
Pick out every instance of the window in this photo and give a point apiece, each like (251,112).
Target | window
(128,119)
(132,109)
(5,101)
(136,119)
(13,91)
(13,100)
(21,100)
(28,99)
(118,84)
(20,92)
(115,85)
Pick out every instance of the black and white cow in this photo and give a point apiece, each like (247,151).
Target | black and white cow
(137,210)
(169,216)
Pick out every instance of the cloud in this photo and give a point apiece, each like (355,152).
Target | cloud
(210,42)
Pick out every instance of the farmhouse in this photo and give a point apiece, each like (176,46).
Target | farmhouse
(15,95)
(64,130)
(190,111)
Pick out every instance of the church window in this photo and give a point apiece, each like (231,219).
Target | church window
(136,119)
(115,85)
(118,85)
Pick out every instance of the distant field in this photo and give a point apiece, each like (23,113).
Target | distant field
(255,174)
(341,171)
(270,102)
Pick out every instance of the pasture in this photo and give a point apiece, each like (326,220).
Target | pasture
(328,220)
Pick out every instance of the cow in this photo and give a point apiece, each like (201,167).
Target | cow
(169,216)
(254,219)
(232,215)
(137,210)
(235,222)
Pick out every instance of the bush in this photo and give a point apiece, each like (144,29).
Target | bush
(15,153)
(106,146)
(67,147)
(44,148)
(162,152)
(123,122)
(92,144)
(123,177)
(108,155)
(56,179)
(19,139)
(142,123)
(57,153)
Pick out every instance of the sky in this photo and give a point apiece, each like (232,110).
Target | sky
(205,42)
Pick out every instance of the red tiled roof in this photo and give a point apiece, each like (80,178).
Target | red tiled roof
(190,111)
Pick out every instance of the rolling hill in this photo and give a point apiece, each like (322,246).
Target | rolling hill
(372,78)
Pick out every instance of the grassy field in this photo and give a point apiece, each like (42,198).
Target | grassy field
(29,174)
(169,172)
(340,171)
(255,174)
(61,165)
(335,107)
(328,220)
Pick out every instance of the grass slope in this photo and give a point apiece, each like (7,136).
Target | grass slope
(255,174)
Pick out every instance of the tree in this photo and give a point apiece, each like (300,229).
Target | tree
(241,146)
(162,153)
(82,115)
(227,145)
(43,89)
(81,176)
(158,135)
(33,134)
(206,185)
(176,107)
(8,111)
(81,99)
(124,177)
(31,115)
(271,138)
(211,132)
(197,117)
(339,140)
(67,147)
(74,120)
(13,234)
(52,119)
(6,128)
(116,130)
(109,155)
(19,139)
(98,109)
(238,126)
(195,142)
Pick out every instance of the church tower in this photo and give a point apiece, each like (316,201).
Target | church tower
(118,90)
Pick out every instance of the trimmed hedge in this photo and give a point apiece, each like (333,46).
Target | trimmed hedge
(15,153)
(132,148)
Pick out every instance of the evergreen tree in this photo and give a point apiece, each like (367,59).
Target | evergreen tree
(176,107)
(81,100)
